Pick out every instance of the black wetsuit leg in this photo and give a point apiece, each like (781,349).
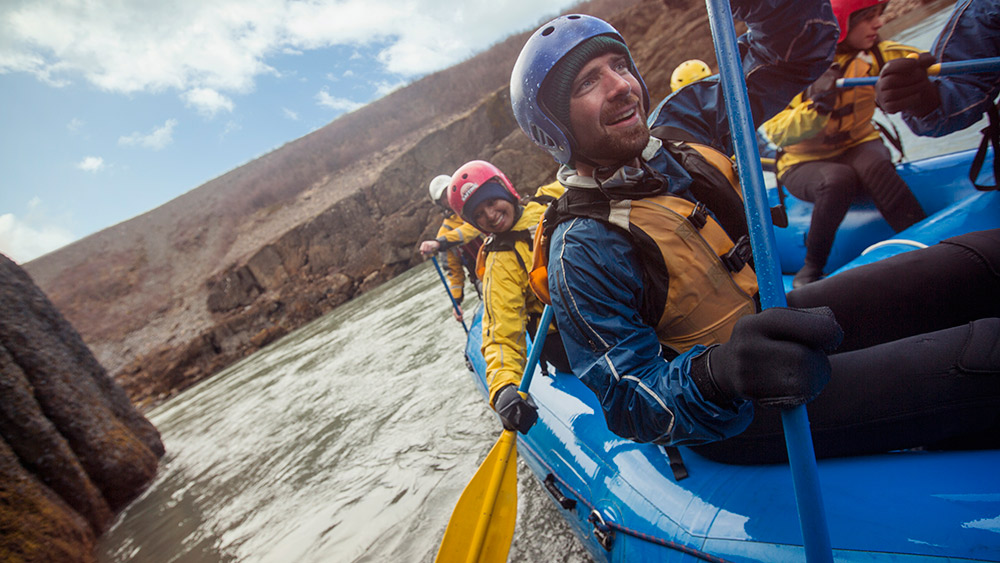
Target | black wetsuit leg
(831,187)
(879,179)
(947,284)
(912,370)
(938,389)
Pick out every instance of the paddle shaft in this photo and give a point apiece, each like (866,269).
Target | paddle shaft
(798,440)
(991,64)
(448,291)
(508,439)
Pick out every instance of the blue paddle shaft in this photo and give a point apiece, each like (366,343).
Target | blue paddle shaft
(536,349)
(448,291)
(991,64)
(798,440)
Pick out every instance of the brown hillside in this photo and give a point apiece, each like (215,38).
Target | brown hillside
(171,296)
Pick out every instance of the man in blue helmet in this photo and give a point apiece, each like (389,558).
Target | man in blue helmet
(648,268)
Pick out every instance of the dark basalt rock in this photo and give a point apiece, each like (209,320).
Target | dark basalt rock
(74,450)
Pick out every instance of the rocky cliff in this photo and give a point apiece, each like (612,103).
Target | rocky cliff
(73,449)
(171,297)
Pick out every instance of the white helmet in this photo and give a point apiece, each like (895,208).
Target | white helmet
(438,185)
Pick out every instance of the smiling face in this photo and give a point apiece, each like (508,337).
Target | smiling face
(494,215)
(606,112)
(864,26)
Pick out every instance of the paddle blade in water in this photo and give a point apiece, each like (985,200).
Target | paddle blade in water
(485,513)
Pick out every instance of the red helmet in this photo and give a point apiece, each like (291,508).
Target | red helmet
(475,182)
(843,9)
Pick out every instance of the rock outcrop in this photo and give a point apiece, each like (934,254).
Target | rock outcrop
(354,245)
(73,449)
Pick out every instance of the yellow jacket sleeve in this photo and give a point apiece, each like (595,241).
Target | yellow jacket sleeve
(452,261)
(461,234)
(794,124)
(505,320)
(456,275)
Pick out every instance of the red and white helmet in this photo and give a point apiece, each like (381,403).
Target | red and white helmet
(475,182)
(843,9)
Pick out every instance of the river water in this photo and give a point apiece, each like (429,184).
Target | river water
(348,440)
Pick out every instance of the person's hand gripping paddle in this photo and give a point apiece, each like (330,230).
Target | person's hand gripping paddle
(482,524)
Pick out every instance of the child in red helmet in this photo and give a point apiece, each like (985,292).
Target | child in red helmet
(830,152)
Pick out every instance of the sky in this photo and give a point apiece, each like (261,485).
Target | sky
(110,108)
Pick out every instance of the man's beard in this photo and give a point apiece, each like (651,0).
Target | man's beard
(610,150)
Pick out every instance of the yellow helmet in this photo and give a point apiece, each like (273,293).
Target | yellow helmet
(688,72)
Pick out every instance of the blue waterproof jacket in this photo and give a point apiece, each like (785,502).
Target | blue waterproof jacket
(594,270)
(972,32)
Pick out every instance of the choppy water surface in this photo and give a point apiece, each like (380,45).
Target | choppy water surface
(348,440)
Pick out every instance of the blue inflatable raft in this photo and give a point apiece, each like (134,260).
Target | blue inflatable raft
(625,503)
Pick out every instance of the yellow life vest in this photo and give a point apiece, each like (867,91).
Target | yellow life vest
(851,119)
(701,281)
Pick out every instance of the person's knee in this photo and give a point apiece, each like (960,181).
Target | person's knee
(983,246)
(981,352)
(839,178)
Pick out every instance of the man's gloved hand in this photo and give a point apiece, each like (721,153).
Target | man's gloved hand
(516,412)
(823,92)
(903,86)
(777,358)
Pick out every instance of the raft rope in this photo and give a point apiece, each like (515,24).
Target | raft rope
(604,530)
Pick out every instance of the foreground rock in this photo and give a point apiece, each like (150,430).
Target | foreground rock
(73,450)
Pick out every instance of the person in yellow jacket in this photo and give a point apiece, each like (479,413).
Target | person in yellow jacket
(458,243)
(830,150)
(482,195)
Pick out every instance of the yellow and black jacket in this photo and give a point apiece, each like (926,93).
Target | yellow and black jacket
(508,302)
(803,134)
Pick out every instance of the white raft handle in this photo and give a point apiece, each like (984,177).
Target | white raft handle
(903,241)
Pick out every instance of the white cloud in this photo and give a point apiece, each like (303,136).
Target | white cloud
(207,101)
(209,50)
(22,242)
(294,116)
(324,99)
(91,164)
(156,139)
(75,125)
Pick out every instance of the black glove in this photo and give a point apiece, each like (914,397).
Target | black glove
(823,92)
(516,412)
(777,358)
(903,86)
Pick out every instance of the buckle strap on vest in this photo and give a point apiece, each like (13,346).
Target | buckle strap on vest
(698,216)
(844,110)
(739,255)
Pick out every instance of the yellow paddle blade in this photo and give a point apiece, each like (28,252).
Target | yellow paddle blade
(482,526)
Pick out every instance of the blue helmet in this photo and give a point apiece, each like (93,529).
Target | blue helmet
(540,55)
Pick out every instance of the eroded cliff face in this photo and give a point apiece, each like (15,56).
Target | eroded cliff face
(350,247)
(73,449)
